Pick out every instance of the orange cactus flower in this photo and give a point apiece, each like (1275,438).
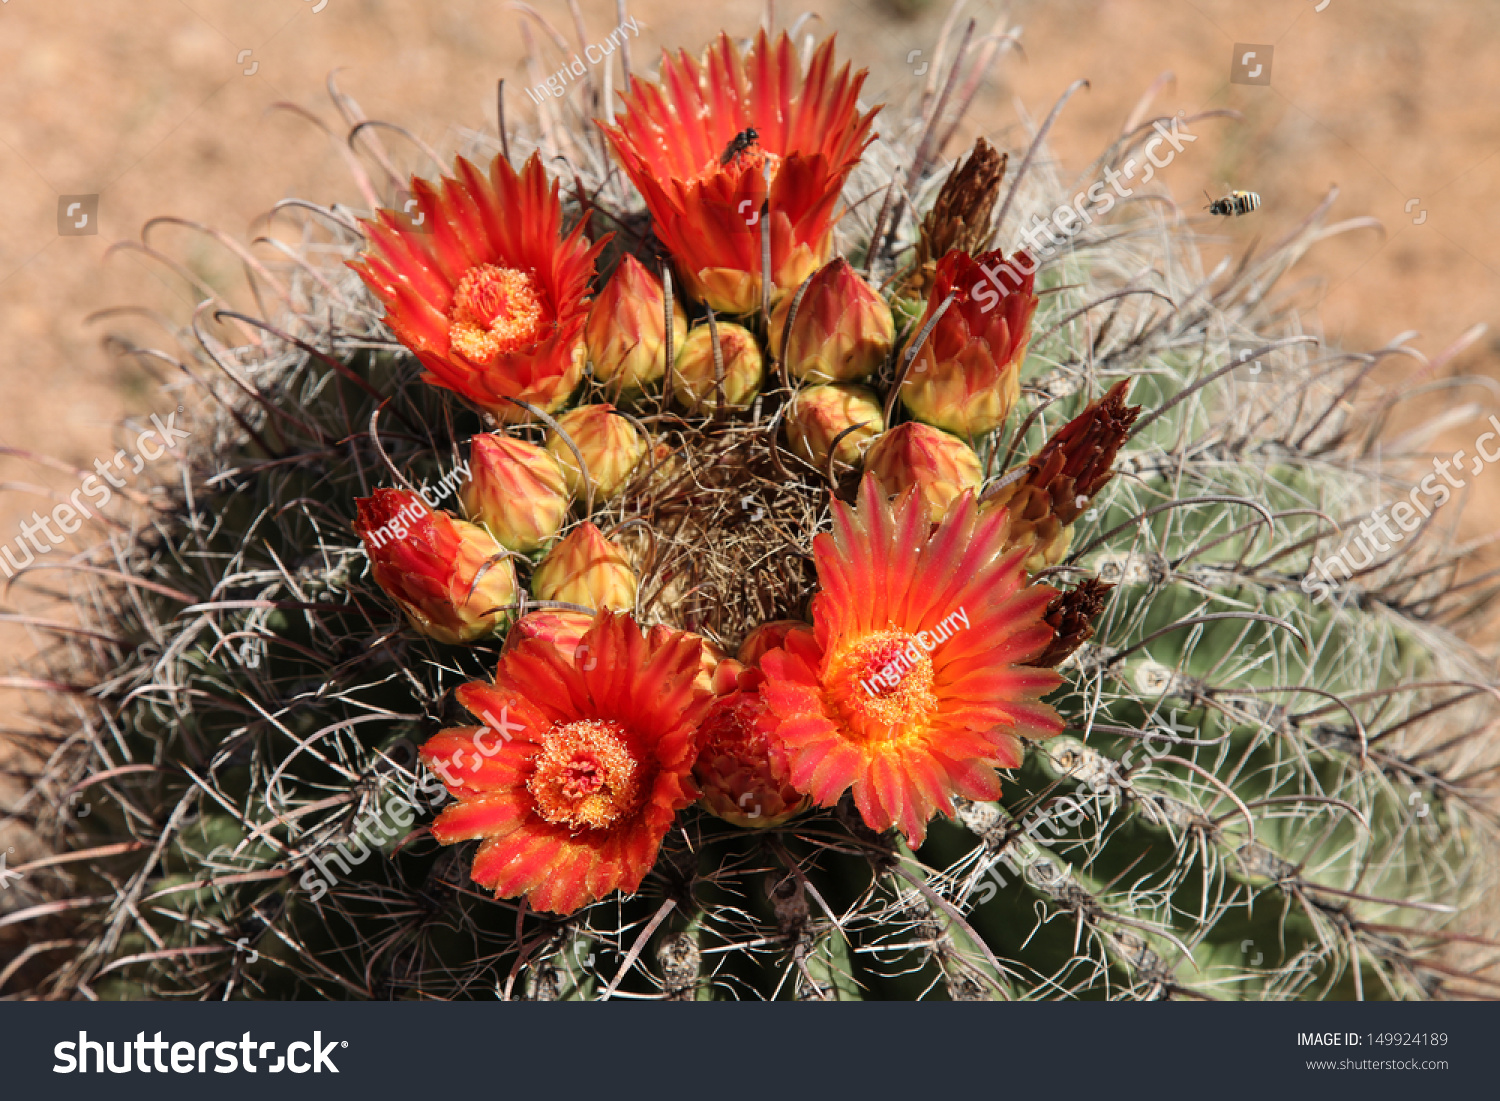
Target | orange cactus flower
(967,376)
(580,767)
(485,290)
(450,577)
(687,145)
(915,685)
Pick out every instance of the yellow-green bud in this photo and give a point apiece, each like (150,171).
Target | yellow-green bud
(586,569)
(694,377)
(610,444)
(515,489)
(819,415)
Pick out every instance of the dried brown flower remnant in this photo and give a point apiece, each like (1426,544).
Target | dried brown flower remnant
(1071,615)
(1064,476)
(960,219)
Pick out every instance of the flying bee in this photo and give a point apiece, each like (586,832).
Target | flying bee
(1235,203)
(739,144)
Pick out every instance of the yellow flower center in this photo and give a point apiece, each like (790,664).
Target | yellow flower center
(495,310)
(586,776)
(882,684)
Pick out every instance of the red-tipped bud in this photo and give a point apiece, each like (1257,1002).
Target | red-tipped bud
(695,375)
(626,330)
(941,466)
(611,448)
(516,490)
(450,577)
(820,415)
(742,766)
(586,569)
(843,329)
(967,375)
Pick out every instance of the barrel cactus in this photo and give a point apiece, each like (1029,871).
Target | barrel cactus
(697,547)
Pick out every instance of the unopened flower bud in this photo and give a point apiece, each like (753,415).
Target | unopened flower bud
(819,415)
(742,766)
(452,579)
(586,569)
(695,375)
(768,636)
(626,330)
(843,329)
(966,376)
(940,465)
(516,490)
(611,448)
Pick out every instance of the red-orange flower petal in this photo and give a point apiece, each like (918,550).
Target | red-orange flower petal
(484,289)
(913,686)
(677,142)
(768,636)
(582,764)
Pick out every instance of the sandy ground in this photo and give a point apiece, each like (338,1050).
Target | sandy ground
(163,107)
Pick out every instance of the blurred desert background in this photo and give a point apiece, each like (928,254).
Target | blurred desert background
(163,107)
